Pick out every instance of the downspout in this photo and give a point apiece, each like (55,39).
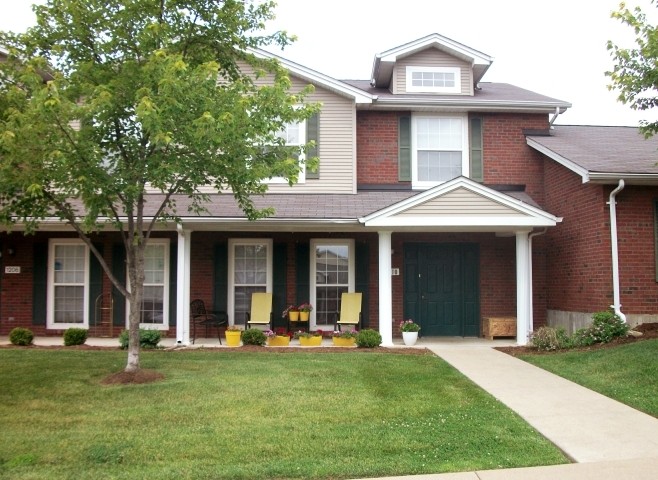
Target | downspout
(615,252)
(555,115)
(531,319)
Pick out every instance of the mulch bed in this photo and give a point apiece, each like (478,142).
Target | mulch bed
(649,331)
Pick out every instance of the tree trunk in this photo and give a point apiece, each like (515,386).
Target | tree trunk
(135,259)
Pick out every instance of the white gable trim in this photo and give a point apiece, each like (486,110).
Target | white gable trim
(565,162)
(359,96)
(448,45)
(528,215)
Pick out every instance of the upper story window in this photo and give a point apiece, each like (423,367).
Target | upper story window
(434,79)
(293,134)
(439,149)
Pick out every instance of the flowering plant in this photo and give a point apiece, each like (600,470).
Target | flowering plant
(277,332)
(233,328)
(305,307)
(409,326)
(289,308)
(302,333)
(345,333)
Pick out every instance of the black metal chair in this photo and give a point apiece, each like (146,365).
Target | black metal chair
(202,318)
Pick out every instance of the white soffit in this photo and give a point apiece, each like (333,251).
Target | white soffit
(458,203)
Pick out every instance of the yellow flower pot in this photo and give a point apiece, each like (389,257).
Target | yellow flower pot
(278,341)
(303,316)
(344,342)
(232,338)
(293,316)
(315,341)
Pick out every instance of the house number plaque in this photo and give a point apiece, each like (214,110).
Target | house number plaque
(12,269)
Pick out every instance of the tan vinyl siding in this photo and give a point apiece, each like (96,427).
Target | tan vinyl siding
(431,57)
(337,143)
(462,203)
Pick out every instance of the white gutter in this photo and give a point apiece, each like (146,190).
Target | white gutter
(555,115)
(615,253)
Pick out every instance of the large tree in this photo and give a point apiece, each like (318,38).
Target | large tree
(106,101)
(635,73)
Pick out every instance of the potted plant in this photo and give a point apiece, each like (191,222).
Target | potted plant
(277,338)
(305,310)
(232,334)
(344,338)
(254,336)
(291,312)
(409,331)
(309,339)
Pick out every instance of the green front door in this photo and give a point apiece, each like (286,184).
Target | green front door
(441,288)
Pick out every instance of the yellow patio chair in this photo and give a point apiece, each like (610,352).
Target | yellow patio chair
(261,310)
(350,311)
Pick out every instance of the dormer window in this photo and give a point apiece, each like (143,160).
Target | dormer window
(434,79)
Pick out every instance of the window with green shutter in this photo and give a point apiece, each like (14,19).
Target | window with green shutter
(404,148)
(477,168)
(313,134)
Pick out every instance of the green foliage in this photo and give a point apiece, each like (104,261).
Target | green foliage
(368,338)
(635,70)
(147,338)
(75,336)
(21,336)
(605,327)
(549,338)
(254,336)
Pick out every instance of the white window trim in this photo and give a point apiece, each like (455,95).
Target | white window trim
(423,185)
(167,287)
(349,242)
(230,304)
(50,309)
(301,178)
(456,71)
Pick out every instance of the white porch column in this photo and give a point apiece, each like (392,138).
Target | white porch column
(183,286)
(523,259)
(385,290)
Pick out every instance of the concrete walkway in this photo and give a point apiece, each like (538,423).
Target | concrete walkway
(607,439)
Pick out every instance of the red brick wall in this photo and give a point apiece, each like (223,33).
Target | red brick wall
(377,147)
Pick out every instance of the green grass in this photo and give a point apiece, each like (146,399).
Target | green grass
(229,414)
(627,373)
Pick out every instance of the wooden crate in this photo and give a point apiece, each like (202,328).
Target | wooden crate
(498,327)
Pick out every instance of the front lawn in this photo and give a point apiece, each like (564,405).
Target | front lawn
(627,373)
(231,414)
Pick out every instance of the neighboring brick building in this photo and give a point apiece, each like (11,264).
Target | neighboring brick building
(437,196)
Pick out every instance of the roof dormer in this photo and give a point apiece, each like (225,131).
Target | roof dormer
(433,64)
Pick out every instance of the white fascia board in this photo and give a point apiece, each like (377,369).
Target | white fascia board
(464,103)
(321,79)
(565,162)
(474,56)
(460,182)
(611,178)
(460,221)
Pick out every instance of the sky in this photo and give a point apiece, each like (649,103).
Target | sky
(556,48)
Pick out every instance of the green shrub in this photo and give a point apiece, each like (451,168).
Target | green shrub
(21,336)
(254,336)
(147,338)
(75,336)
(368,338)
(549,338)
(605,327)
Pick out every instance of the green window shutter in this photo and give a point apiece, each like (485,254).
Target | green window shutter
(39,283)
(173,287)
(220,274)
(279,279)
(362,277)
(119,272)
(404,148)
(95,283)
(655,224)
(302,260)
(313,133)
(477,169)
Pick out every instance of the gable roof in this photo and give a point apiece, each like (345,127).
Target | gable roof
(382,67)
(602,154)
(463,205)
(490,97)
(312,76)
